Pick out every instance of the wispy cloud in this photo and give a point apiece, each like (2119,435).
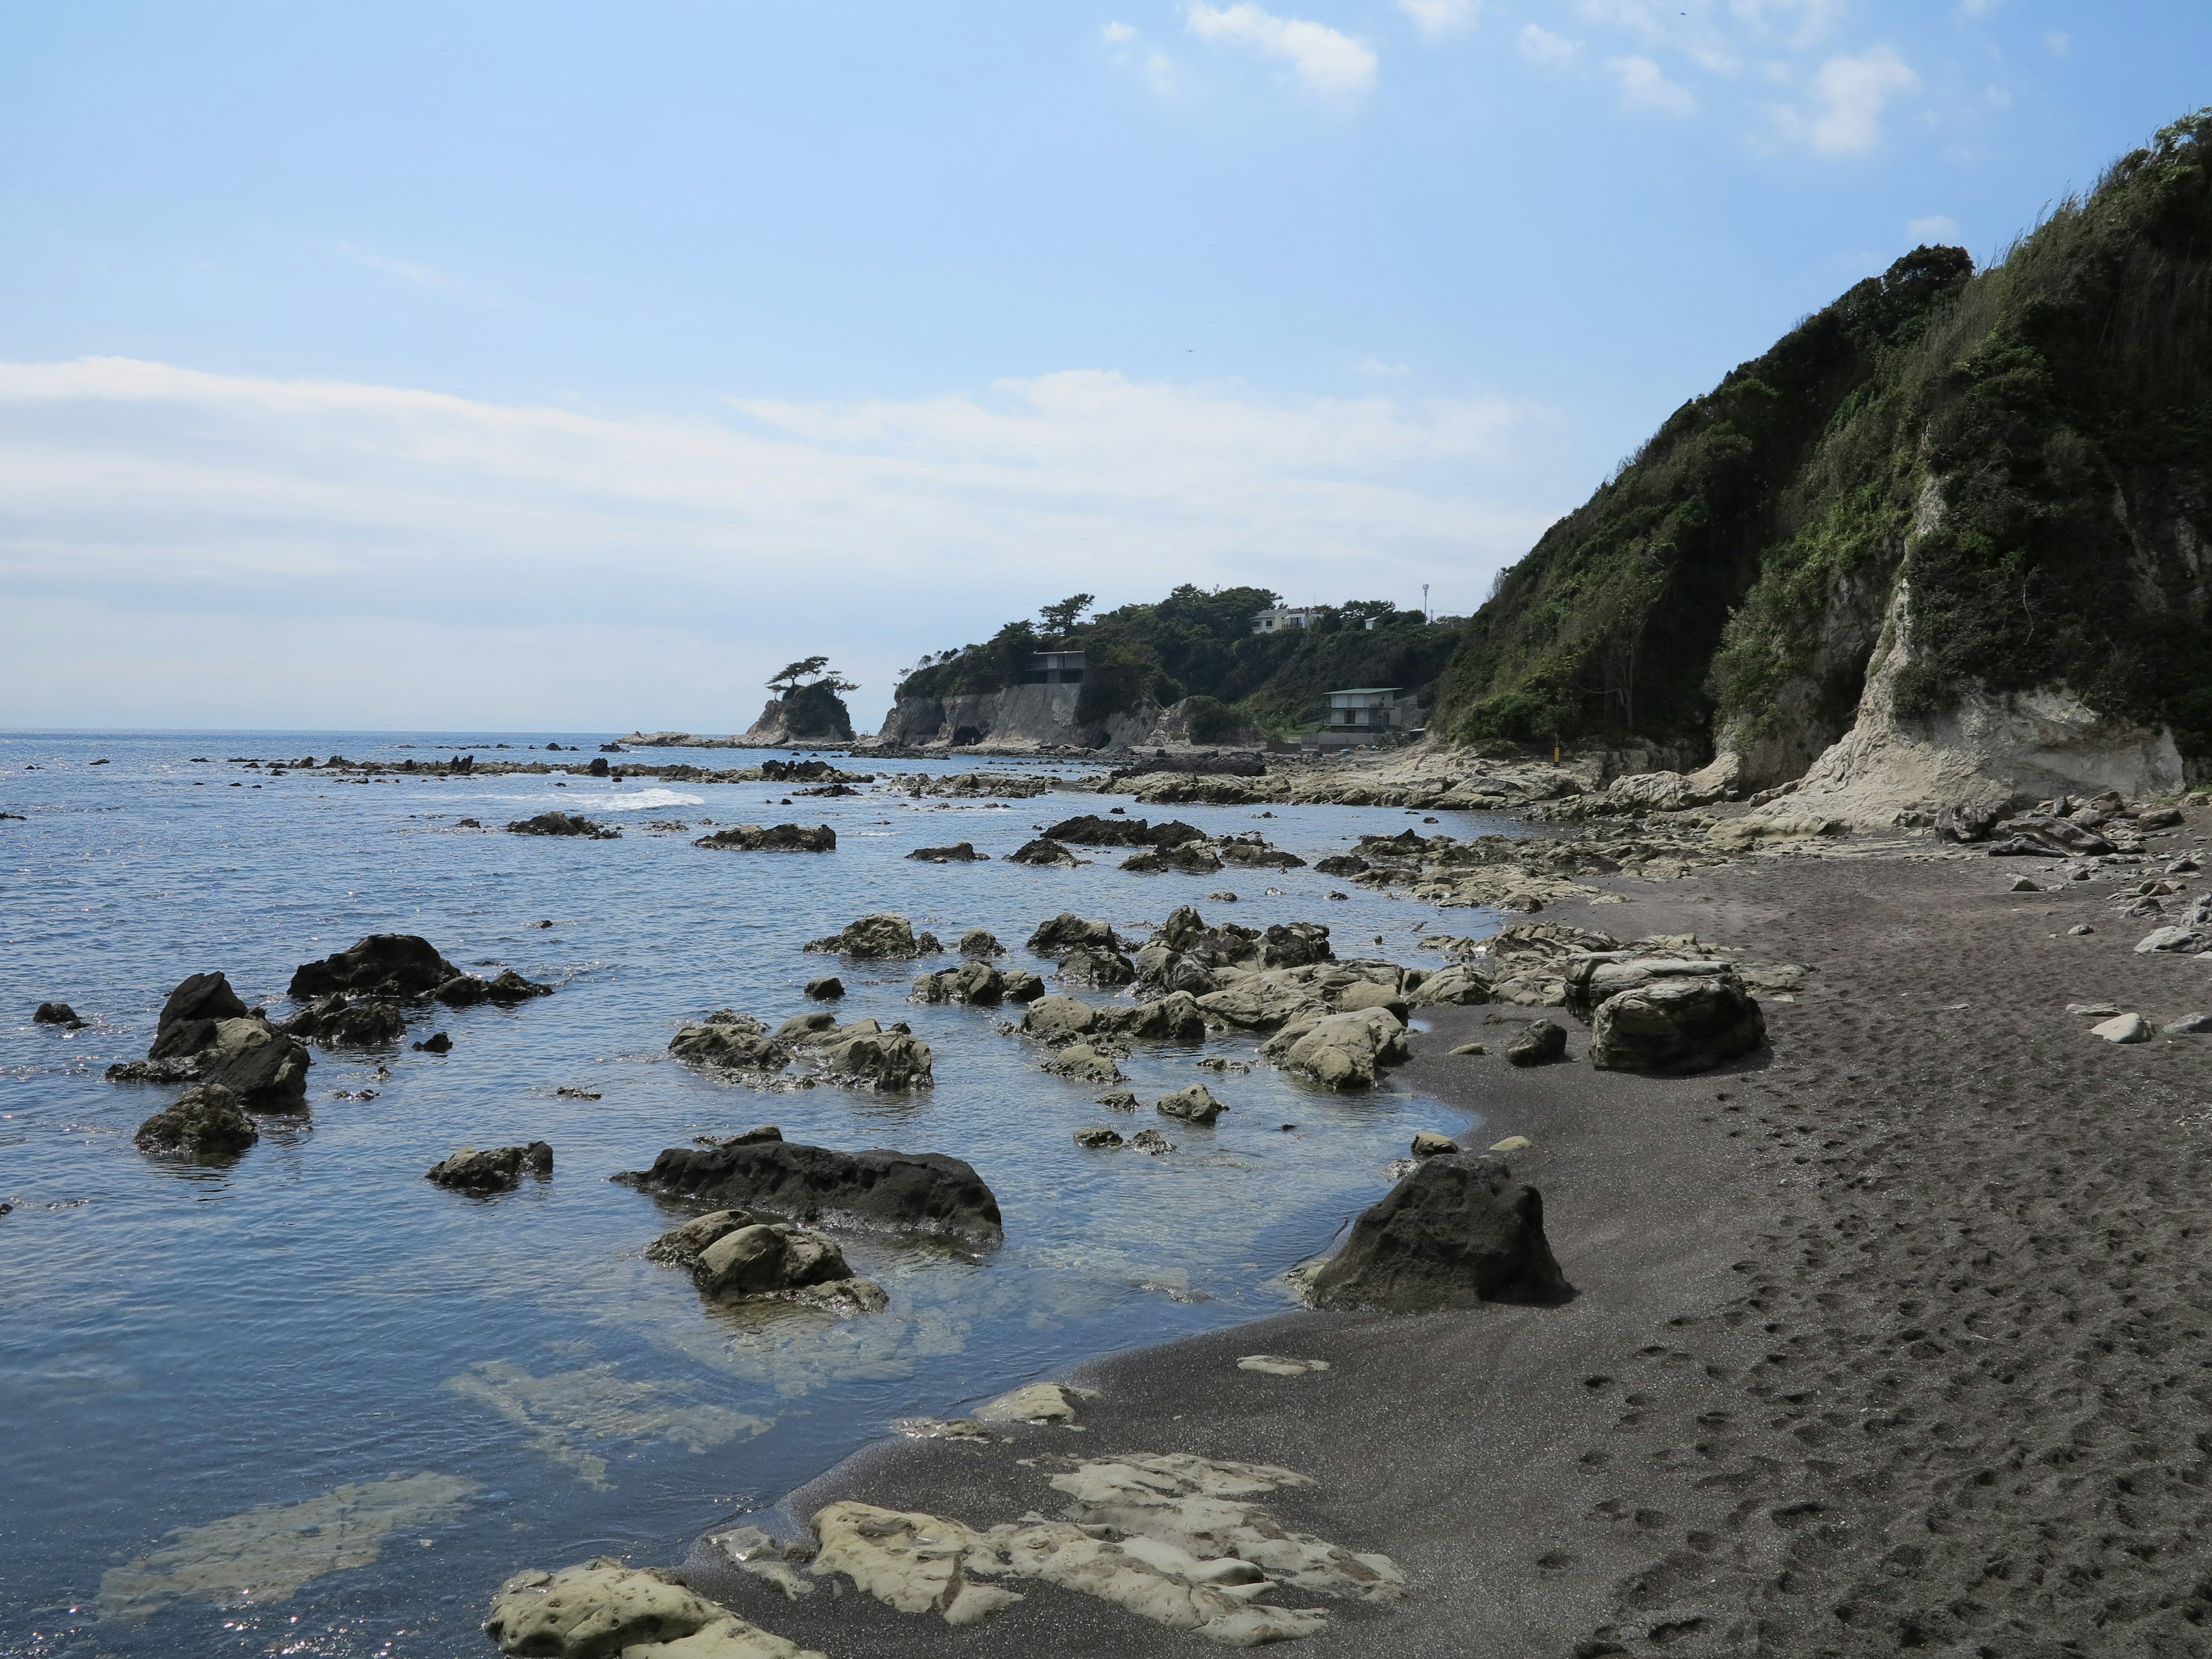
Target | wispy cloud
(406,271)
(1437,18)
(1127,50)
(1645,86)
(1376,366)
(1334,65)
(1848,95)
(1540,45)
(229,530)
(1935,227)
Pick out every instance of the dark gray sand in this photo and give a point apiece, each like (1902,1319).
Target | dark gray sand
(1895,1339)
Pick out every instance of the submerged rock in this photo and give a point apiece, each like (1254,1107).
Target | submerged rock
(602,1608)
(497,1169)
(389,965)
(436,1043)
(1676,1026)
(783,1180)
(777,1259)
(1457,1231)
(777,838)
(564,823)
(881,937)
(205,1123)
(467,991)
(339,1024)
(1339,1050)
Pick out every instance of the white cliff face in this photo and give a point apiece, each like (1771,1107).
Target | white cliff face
(1988,747)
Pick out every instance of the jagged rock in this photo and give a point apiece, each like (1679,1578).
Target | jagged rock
(1069,932)
(436,1043)
(56,1013)
(1253,850)
(1676,1026)
(958,852)
(1296,945)
(1092,965)
(1342,863)
(1457,1231)
(980,944)
(1968,820)
(339,1024)
(564,823)
(602,1610)
(1540,1043)
(266,1069)
(1457,985)
(1339,1050)
(880,937)
(731,1041)
(1191,857)
(205,1123)
(775,838)
(1096,1140)
(1195,1105)
(1044,851)
(188,1019)
(827,988)
(1085,1064)
(1090,830)
(977,982)
(866,1051)
(466,990)
(789,1181)
(402,966)
(497,1169)
(1160,969)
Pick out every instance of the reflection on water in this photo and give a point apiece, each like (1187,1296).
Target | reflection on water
(397,1394)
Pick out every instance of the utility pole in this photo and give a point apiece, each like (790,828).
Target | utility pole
(1427,615)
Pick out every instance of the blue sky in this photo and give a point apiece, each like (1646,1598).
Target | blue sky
(565,366)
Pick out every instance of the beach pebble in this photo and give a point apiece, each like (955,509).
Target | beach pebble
(1428,1144)
(1275,1364)
(2128,1028)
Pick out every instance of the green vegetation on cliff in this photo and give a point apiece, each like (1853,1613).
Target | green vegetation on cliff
(1199,645)
(2029,449)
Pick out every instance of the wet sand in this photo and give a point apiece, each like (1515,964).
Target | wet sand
(1895,1338)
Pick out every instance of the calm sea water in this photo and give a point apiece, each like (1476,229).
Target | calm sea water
(313,1374)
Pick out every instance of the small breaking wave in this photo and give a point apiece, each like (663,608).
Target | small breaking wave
(633,800)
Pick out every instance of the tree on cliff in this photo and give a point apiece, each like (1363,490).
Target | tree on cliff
(1059,620)
(816,670)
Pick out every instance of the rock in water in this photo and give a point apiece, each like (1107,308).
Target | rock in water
(926,1191)
(343,1025)
(1543,1042)
(602,1608)
(499,1169)
(401,965)
(1195,1104)
(563,823)
(206,1035)
(1044,851)
(731,1041)
(206,1122)
(56,1013)
(1457,1231)
(187,1020)
(879,937)
(436,1043)
(1339,1050)
(1676,1026)
(959,852)
(780,838)
(980,944)
(1069,932)
(466,990)
(1191,857)
(765,1259)
(828,988)
(1097,1139)
(1091,965)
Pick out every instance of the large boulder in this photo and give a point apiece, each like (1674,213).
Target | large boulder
(1296,945)
(603,1610)
(1339,1050)
(1261,1002)
(205,1123)
(923,1191)
(389,965)
(1541,1042)
(1195,1105)
(770,1259)
(1069,932)
(187,1021)
(1059,1018)
(1456,1231)
(775,838)
(730,1042)
(206,1035)
(1676,1026)
(1603,975)
(881,937)
(494,1169)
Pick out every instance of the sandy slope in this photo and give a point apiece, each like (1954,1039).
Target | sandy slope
(1899,1340)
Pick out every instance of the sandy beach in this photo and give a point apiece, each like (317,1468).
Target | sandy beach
(1874,1347)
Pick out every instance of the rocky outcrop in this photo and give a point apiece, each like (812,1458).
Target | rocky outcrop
(205,1123)
(1455,1231)
(1173,1019)
(1069,932)
(206,1035)
(1112,830)
(602,1610)
(1676,1026)
(809,714)
(1253,851)
(1339,1050)
(867,1052)
(729,1040)
(565,823)
(959,852)
(879,937)
(400,966)
(1021,718)
(980,983)
(56,1013)
(494,1170)
(775,838)
(925,1192)
(1046,852)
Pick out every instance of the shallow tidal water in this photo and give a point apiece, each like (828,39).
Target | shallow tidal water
(308,1403)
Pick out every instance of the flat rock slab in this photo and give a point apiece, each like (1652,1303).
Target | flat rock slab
(923,1191)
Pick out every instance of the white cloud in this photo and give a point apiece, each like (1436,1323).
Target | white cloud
(180,547)
(1848,95)
(1935,227)
(1645,86)
(1117,33)
(1437,18)
(1797,22)
(1376,366)
(1335,65)
(1155,68)
(1540,45)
